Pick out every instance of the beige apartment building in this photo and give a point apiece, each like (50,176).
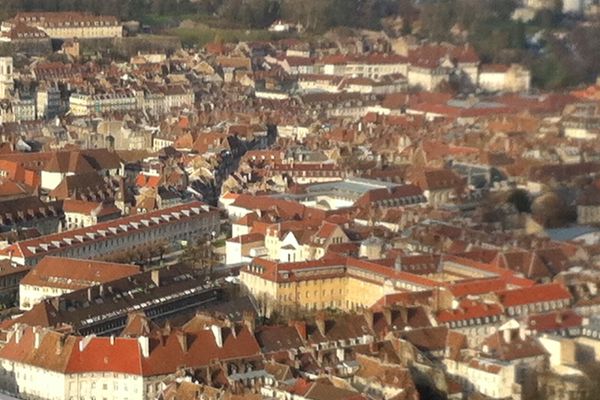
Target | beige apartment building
(68,25)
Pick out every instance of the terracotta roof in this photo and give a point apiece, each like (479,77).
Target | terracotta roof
(431,56)
(399,193)
(430,339)
(74,274)
(517,347)
(534,294)
(56,243)
(90,208)
(278,338)
(562,172)
(16,211)
(249,238)
(82,186)
(554,321)
(494,68)
(485,366)
(404,299)
(9,188)
(469,310)
(75,17)
(477,287)
(536,264)
(72,162)
(138,324)
(436,179)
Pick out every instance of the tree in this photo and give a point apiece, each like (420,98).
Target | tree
(199,256)
(520,199)
(552,212)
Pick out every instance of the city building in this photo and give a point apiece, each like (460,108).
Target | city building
(504,78)
(180,223)
(68,25)
(55,276)
(348,283)
(81,213)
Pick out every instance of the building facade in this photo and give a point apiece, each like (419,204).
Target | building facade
(181,223)
(69,25)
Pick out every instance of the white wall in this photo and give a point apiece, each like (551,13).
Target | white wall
(31,295)
(50,180)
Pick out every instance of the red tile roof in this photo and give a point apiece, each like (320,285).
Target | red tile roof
(56,243)
(468,310)
(74,274)
(534,294)
(554,321)
(477,287)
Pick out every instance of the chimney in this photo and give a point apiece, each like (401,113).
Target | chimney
(559,318)
(455,304)
(85,341)
(183,341)
(398,264)
(321,323)
(369,317)
(216,330)
(249,321)
(232,327)
(60,343)
(55,301)
(144,345)
(155,275)
(112,340)
(37,338)
(18,334)
(387,313)
(507,334)
(340,353)
(522,333)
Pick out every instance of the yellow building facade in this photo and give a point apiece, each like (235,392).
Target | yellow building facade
(334,282)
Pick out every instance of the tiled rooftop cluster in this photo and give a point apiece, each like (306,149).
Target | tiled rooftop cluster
(327,220)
